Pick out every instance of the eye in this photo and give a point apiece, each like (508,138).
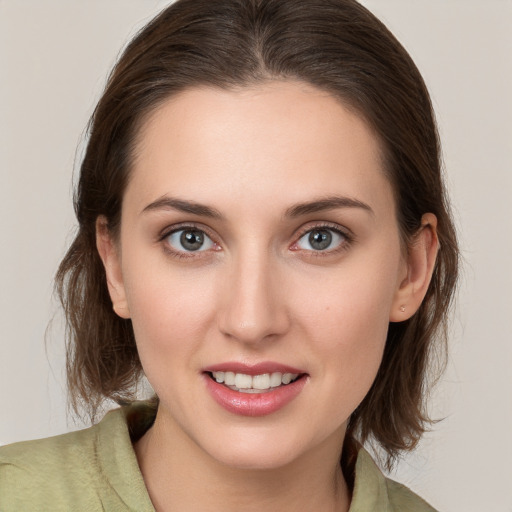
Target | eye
(321,239)
(190,240)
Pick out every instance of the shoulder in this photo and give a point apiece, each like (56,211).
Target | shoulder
(403,499)
(57,471)
(40,473)
(75,471)
(373,491)
(36,455)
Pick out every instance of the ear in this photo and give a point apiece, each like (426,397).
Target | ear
(421,259)
(109,254)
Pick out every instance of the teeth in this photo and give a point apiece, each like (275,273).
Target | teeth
(261,381)
(287,378)
(275,380)
(254,383)
(243,381)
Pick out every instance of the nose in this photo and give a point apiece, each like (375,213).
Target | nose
(254,299)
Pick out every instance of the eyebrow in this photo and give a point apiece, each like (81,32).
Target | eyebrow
(328,203)
(297,210)
(182,205)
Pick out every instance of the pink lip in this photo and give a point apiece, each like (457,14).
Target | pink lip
(253,404)
(252,369)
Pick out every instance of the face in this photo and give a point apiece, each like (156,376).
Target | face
(258,245)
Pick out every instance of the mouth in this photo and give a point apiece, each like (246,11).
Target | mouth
(254,390)
(259,383)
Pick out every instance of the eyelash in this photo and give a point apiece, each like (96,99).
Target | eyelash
(185,254)
(347,236)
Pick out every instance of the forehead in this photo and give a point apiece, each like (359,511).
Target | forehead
(285,140)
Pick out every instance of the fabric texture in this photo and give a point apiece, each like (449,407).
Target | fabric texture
(96,470)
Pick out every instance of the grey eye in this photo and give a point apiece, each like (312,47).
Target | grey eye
(190,240)
(320,239)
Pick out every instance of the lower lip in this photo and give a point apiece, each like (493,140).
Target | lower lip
(254,404)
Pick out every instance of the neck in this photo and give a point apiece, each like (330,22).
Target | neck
(312,482)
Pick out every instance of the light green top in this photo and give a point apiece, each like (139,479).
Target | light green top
(96,470)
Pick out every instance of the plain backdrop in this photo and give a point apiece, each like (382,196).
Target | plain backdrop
(54,58)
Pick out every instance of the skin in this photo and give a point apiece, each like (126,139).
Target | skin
(259,291)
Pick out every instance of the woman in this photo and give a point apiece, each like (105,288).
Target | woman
(263,232)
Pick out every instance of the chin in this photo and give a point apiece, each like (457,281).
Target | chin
(270,447)
(254,458)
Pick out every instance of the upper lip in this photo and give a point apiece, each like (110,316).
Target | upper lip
(253,369)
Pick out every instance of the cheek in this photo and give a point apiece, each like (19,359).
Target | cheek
(169,313)
(350,332)
(352,300)
(348,323)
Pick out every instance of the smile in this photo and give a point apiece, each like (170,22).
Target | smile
(261,383)
(254,390)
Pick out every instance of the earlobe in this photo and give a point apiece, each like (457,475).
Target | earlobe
(421,259)
(109,254)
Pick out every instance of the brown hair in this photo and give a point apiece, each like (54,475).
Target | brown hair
(335,45)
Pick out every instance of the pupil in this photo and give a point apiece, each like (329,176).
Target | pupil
(191,240)
(320,240)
